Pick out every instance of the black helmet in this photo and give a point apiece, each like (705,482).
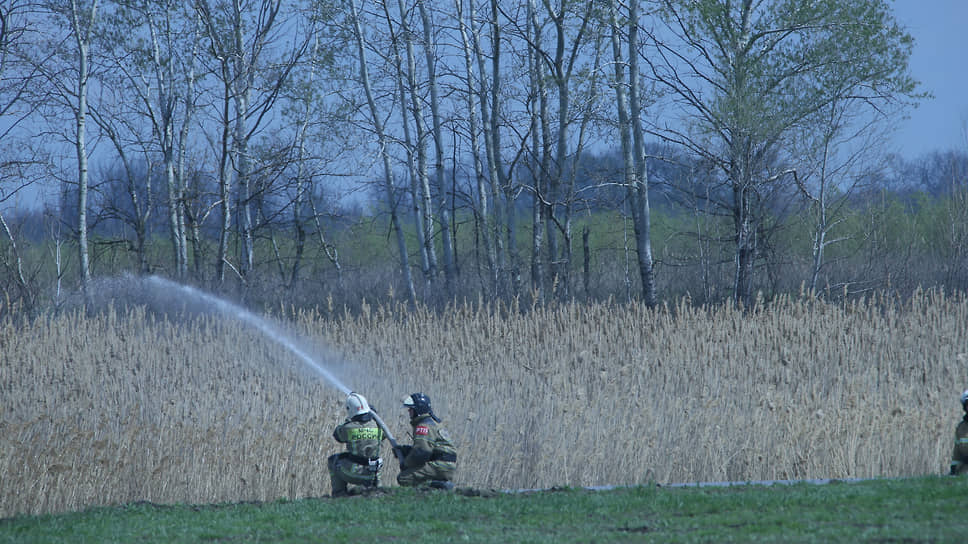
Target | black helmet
(419,402)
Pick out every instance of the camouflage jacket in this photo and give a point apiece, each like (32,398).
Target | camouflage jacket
(430,443)
(959,458)
(362,437)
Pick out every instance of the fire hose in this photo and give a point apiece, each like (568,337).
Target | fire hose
(397,451)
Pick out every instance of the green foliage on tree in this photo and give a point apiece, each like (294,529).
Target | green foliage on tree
(749,74)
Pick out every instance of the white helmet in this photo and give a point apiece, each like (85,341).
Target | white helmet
(356,405)
(964,399)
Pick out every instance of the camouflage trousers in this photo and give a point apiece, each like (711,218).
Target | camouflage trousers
(344,471)
(427,472)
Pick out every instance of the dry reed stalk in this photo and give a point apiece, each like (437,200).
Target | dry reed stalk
(125,406)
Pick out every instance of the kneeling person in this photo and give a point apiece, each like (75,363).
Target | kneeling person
(360,464)
(432,458)
(959,457)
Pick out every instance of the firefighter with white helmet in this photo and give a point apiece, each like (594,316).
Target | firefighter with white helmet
(361,463)
(432,459)
(959,458)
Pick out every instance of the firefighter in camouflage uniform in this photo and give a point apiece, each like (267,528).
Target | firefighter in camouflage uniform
(959,458)
(360,464)
(432,459)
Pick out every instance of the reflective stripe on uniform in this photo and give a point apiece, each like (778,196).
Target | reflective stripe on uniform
(962,441)
(363,433)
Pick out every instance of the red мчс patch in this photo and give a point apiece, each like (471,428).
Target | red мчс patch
(422,430)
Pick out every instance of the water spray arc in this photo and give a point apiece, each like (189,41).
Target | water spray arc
(264,326)
(279,336)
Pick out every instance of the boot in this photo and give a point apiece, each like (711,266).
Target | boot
(442,484)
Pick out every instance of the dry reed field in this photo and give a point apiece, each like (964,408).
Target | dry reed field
(127,406)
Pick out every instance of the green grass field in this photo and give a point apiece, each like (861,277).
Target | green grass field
(925,509)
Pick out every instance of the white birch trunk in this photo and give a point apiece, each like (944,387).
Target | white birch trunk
(481,185)
(82,30)
(490,121)
(640,193)
(384,153)
(416,192)
(416,110)
(163,121)
(446,237)
(188,102)
(243,76)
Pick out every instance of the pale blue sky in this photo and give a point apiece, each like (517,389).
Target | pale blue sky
(940,62)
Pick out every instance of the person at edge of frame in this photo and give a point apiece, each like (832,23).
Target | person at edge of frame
(959,457)
(361,463)
(432,459)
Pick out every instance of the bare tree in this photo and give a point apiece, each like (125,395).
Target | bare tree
(429,43)
(155,55)
(540,159)
(20,160)
(414,147)
(498,167)
(490,240)
(559,62)
(17,77)
(632,144)
(66,67)
(254,62)
(306,103)
(839,156)
(383,142)
(118,125)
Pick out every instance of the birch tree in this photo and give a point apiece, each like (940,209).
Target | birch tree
(424,193)
(66,68)
(430,53)
(414,146)
(383,143)
(499,165)
(568,62)
(20,162)
(82,19)
(629,106)
(840,154)
(540,152)
(491,240)
(156,41)
(254,59)
(745,74)
(142,88)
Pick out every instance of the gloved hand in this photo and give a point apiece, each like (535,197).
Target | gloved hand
(375,465)
(404,452)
